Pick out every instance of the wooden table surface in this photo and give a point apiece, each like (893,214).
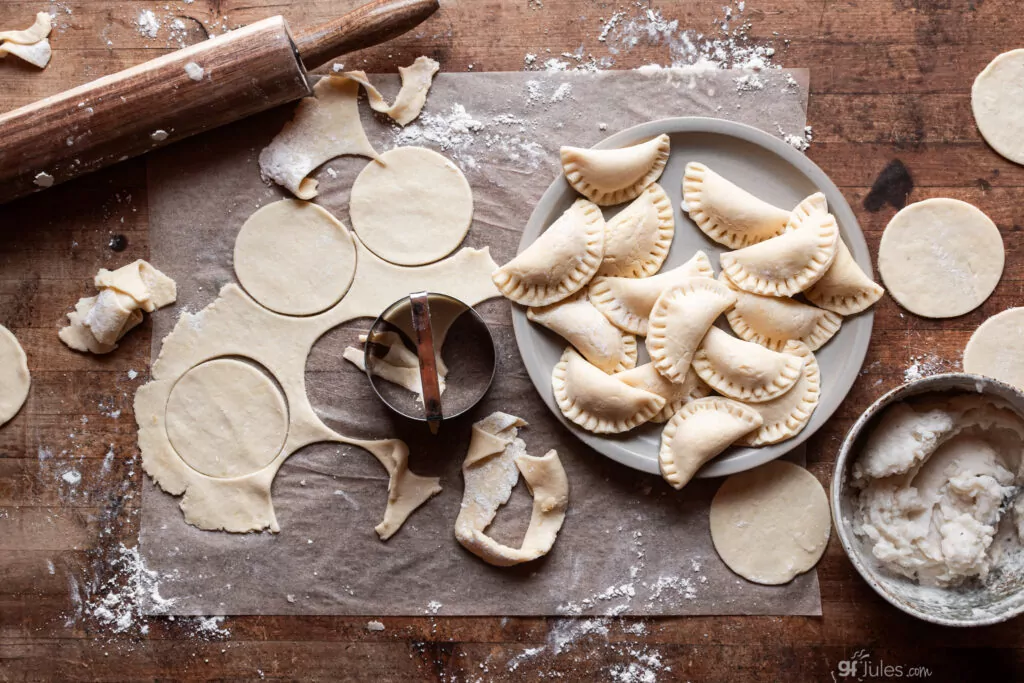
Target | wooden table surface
(890,80)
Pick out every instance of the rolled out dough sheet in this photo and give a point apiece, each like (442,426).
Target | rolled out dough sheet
(622,528)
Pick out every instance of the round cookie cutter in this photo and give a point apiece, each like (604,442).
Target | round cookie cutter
(430,327)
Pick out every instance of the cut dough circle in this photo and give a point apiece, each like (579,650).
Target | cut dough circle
(226,419)
(997,99)
(295,258)
(941,258)
(14,377)
(771,523)
(414,207)
(996,349)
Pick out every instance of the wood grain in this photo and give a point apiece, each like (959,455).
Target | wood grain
(890,80)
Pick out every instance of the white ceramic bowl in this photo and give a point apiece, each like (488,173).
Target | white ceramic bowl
(1002,596)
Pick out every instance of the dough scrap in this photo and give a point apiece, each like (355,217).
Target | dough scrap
(36,54)
(627,302)
(99,322)
(416,80)
(14,377)
(150,288)
(676,394)
(680,319)
(598,402)
(560,262)
(637,239)
(792,262)
(702,429)
(491,470)
(786,416)
(771,523)
(414,207)
(744,370)
(225,329)
(997,100)
(226,419)
(941,258)
(36,33)
(578,322)
(324,126)
(844,288)
(294,257)
(613,176)
(996,349)
(399,365)
(726,212)
(774,321)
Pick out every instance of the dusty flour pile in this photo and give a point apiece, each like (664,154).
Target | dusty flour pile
(458,133)
(727,46)
(639,663)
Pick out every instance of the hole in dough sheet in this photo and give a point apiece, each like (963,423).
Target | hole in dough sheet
(340,393)
(213,432)
(513,519)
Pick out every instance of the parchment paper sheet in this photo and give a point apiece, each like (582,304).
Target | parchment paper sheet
(630,544)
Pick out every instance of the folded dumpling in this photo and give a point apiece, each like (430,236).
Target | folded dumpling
(786,416)
(845,288)
(792,262)
(743,370)
(627,302)
(560,262)
(680,319)
(700,431)
(772,321)
(593,335)
(637,239)
(727,213)
(613,176)
(598,402)
(676,395)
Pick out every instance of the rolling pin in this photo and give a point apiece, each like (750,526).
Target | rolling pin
(189,91)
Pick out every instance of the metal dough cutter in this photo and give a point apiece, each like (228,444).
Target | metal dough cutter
(439,341)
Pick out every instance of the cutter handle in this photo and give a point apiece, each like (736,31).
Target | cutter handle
(365,26)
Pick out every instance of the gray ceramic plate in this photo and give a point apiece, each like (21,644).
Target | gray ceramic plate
(769,168)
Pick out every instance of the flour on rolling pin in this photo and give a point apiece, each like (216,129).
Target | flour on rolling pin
(259,67)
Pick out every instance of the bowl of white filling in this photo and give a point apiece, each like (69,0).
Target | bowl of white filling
(925,499)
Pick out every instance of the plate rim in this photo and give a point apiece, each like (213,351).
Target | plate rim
(747,458)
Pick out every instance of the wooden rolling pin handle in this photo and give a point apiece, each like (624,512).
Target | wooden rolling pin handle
(366,26)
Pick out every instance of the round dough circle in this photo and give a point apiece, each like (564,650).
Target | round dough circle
(226,419)
(941,258)
(997,99)
(996,349)
(415,210)
(14,379)
(771,523)
(295,258)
